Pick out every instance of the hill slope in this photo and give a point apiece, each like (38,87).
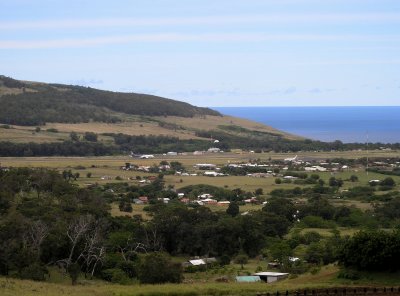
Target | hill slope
(31,103)
(39,119)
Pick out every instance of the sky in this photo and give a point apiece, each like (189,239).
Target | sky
(211,52)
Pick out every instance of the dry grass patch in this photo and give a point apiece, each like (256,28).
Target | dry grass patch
(133,128)
(212,122)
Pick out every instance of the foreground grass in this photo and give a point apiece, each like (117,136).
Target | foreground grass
(324,278)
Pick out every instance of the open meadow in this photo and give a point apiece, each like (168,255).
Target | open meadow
(324,277)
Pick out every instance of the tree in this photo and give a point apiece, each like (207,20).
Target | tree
(280,250)
(353,178)
(37,129)
(278,181)
(372,251)
(74,136)
(157,268)
(90,136)
(125,206)
(333,182)
(241,259)
(314,253)
(389,182)
(233,209)
(74,270)
(259,191)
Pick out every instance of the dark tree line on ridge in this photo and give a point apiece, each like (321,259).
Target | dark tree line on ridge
(74,104)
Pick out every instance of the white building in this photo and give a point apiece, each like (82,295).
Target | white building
(271,277)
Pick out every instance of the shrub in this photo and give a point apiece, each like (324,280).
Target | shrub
(157,268)
(316,222)
(116,275)
(52,130)
(35,272)
(224,260)
(74,270)
(90,137)
(348,274)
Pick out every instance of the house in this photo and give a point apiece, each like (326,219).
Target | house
(200,262)
(224,203)
(290,159)
(214,150)
(251,200)
(248,279)
(211,174)
(186,201)
(205,166)
(209,201)
(198,153)
(205,195)
(172,153)
(143,199)
(164,199)
(315,168)
(146,156)
(270,277)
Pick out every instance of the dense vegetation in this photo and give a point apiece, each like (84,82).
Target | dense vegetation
(66,148)
(88,145)
(41,103)
(45,220)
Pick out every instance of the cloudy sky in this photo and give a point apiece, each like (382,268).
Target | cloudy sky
(211,52)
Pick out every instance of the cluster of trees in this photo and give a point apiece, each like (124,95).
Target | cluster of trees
(372,251)
(157,144)
(45,220)
(66,148)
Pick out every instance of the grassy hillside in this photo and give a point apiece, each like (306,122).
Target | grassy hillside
(62,109)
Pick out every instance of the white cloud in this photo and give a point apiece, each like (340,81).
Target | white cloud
(201,20)
(178,37)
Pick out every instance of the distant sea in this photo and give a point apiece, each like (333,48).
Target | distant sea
(347,124)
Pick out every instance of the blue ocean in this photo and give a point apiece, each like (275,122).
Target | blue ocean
(347,124)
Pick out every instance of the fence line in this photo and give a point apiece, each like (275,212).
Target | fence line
(359,291)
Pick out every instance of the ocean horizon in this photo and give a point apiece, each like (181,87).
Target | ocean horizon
(348,124)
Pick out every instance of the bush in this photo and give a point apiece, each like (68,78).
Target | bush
(316,222)
(116,275)
(311,237)
(224,260)
(157,268)
(348,274)
(241,259)
(52,130)
(35,272)
(74,270)
(90,137)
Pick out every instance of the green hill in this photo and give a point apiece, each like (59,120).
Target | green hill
(31,103)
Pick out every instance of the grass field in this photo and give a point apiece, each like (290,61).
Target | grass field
(323,278)
(135,126)
(110,166)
